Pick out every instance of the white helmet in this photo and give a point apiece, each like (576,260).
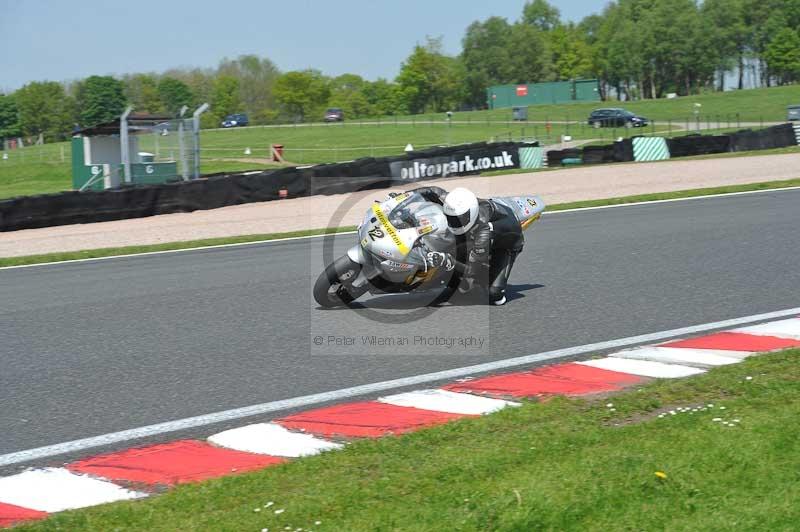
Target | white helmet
(461,209)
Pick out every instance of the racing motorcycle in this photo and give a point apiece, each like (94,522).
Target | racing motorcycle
(395,237)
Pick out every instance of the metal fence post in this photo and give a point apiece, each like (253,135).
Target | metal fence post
(125,149)
(182,145)
(196,134)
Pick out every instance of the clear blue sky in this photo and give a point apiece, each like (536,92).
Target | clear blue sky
(64,40)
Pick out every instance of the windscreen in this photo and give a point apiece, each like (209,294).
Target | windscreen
(407,214)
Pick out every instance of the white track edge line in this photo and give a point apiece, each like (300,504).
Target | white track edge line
(344,393)
(275,240)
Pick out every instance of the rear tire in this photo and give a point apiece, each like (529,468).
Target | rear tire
(333,287)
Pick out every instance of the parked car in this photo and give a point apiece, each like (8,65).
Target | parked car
(334,114)
(237,120)
(793,112)
(616,118)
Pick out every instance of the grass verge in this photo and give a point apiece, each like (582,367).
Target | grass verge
(563,464)
(169,246)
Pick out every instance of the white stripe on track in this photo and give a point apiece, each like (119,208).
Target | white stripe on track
(781,329)
(701,358)
(272,439)
(645,368)
(56,489)
(447,401)
(377,387)
(277,240)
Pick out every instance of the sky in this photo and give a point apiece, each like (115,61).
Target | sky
(62,41)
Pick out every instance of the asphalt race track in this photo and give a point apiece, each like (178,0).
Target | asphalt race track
(102,346)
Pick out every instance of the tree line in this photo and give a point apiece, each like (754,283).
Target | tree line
(637,49)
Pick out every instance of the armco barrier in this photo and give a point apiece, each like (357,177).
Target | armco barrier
(232,189)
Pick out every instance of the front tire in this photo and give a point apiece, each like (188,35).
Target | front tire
(334,285)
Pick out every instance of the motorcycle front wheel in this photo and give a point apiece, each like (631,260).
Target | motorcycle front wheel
(334,285)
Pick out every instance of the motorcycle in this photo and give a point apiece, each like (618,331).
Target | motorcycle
(394,239)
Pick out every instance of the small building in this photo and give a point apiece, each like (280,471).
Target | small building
(133,149)
(576,90)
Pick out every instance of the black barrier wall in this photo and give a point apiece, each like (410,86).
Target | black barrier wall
(216,191)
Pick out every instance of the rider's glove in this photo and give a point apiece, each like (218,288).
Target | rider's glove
(436,259)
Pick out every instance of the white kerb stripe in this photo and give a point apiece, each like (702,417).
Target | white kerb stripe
(274,440)
(673,355)
(643,368)
(781,329)
(56,489)
(446,401)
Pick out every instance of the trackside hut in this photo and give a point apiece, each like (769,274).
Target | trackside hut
(99,154)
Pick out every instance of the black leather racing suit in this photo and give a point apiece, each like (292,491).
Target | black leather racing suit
(491,245)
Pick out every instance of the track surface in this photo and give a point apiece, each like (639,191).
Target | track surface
(97,347)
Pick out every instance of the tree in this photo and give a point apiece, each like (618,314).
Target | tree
(724,22)
(347,92)
(541,14)
(571,55)
(141,91)
(256,77)
(199,80)
(530,60)
(302,93)
(226,100)
(174,94)
(100,99)
(9,117)
(384,98)
(44,107)
(783,56)
(487,57)
(430,80)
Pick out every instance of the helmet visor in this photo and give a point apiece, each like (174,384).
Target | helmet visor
(458,222)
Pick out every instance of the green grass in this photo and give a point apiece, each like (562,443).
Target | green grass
(564,464)
(33,177)
(754,105)
(133,250)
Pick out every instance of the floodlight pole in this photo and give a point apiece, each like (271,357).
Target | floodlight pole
(196,126)
(125,152)
(182,145)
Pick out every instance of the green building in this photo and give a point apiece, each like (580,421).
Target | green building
(577,90)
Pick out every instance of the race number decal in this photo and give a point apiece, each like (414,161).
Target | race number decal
(375,233)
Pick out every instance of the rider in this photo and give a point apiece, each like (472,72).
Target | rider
(490,231)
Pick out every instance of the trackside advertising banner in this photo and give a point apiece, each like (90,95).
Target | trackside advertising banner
(456,164)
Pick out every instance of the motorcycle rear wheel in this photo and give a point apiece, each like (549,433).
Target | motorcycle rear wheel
(333,287)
